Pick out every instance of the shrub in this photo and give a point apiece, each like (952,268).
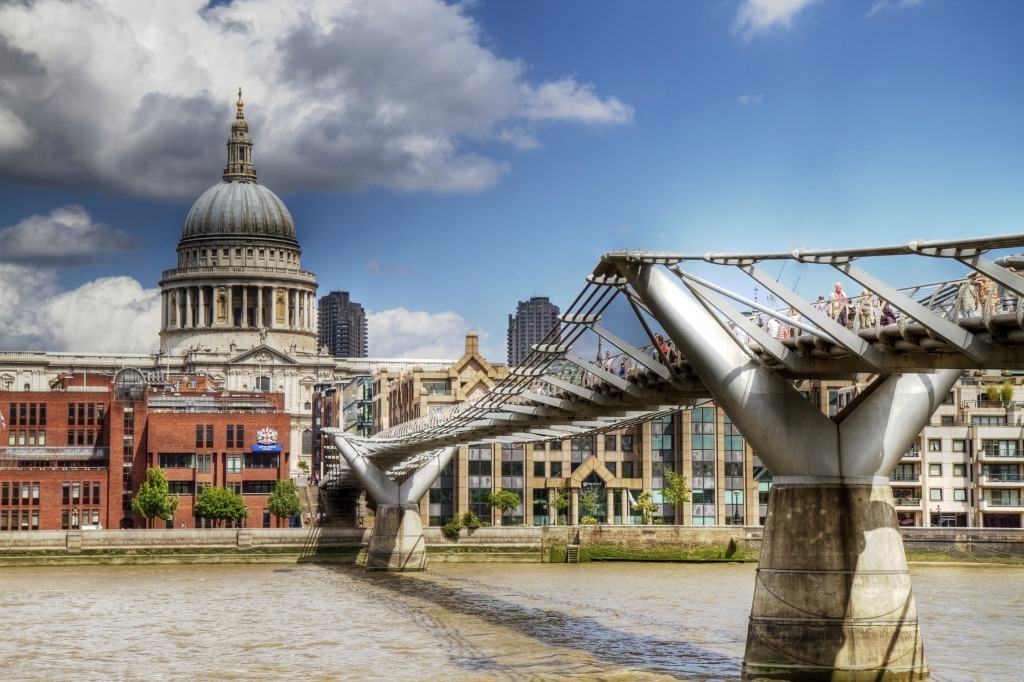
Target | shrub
(451,529)
(588,520)
(470,520)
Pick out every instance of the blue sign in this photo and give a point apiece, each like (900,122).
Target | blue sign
(276,447)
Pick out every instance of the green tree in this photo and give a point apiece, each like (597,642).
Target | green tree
(220,505)
(675,491)
(589,502)
(505,500)
(283,501)
(645,507)
(154,500)
(561,500)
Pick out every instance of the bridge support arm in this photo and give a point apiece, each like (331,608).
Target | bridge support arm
(833,598)
(396,540)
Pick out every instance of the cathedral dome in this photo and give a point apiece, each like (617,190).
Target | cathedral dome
(239,207)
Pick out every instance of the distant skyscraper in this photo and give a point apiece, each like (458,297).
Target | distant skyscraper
(342,326)
(528,326)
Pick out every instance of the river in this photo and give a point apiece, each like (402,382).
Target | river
(614,622)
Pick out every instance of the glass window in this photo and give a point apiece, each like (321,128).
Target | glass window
(609,442)
(959,469)
(234,464)
(934,469)
(627,443)
(935,494)
(538,469)
(959,445)
(627,470)
(934,444)
(960,494)
(556,469)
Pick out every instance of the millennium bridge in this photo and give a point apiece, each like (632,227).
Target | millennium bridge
(833,598)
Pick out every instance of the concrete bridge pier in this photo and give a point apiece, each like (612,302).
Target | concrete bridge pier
(396,540)
(833,597)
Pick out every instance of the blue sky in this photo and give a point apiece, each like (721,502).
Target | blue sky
(444,161)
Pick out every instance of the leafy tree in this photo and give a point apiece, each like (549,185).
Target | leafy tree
(560,500)
(991,392)
(303,465)
(589,502)
(283,501)
(675,491)
(645,506)
(220,505)
(154,500)
(505,500)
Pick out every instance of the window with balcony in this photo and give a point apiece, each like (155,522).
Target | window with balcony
(1000,448)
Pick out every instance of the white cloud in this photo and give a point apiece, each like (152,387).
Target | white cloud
(113,314)
(760,16)
(892,5)
(108,315)
(401,333)
(340,94)
(67,236)
(750,100)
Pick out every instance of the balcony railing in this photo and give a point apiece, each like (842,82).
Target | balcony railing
(908,502)
(902,476)
(912,453)
(1001,478)
(1002,502)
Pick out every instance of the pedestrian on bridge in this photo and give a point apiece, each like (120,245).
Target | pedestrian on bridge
(968,295)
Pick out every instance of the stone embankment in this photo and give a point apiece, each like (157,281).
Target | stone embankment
(495,544)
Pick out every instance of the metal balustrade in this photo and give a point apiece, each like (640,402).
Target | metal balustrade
(969,322)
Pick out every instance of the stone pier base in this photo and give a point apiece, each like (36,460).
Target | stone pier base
(833,599)
(396,542)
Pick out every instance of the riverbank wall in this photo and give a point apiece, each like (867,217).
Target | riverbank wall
(493,544)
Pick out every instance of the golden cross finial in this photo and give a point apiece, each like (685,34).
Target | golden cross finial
(239,114)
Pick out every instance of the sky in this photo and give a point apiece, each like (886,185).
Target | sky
(445,160)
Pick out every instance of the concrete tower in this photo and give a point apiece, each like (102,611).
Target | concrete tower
(528,326)
(342,326)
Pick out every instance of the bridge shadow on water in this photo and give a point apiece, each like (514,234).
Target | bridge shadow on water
(552,628)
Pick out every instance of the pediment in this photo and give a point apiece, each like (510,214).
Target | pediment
(591,465)
(262,355)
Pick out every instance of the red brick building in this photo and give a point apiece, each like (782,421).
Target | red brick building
(74,455)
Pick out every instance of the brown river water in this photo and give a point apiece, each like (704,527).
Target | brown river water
(614,622)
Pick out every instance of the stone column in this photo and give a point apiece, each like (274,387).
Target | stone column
(188,308)
(245,306)
(627,510)
(231,305)
(574,506)
(832,599)
(609,496)
(201,313)
(260,320)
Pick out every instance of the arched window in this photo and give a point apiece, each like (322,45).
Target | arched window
(307,442)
